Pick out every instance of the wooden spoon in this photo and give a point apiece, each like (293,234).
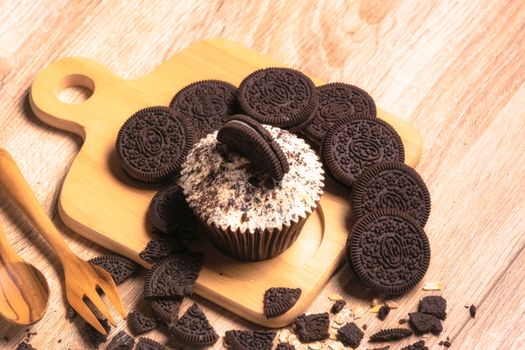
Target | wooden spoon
(24,293)
(84,281)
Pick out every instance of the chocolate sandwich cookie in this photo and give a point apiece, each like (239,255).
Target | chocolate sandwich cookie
(278,301)
(338,101)
(121,341)
(391,334)
(118,266)
(139,323)
(159,248)
(170,214)
(207,104)
(246,340)
(391,185)
(162,210)
(149,344)
(246,136)
(280,97)
(313,327)
(152,144)
(173,276)
(389,251)
(285,346)
(166,310)
(350,335)
(353,144)
(193,328)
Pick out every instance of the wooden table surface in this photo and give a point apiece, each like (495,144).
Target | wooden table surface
(456,70)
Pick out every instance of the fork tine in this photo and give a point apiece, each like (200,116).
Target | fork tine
(85,312)
(109,287)
(101,307)
(111,292)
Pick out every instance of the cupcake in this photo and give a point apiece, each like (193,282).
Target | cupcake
(248,213)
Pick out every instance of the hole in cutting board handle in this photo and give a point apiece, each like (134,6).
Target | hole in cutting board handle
(75,89)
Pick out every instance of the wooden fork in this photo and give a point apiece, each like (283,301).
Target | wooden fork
(83,280)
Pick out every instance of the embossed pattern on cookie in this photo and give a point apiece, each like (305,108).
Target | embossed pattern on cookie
(139,323)
(354,144)
(338,101)
(166,310)
(207,104)
(173,276)
(249,138)
(278,96)
(278,301)
(246,340)
(151,145)
(149,344)
(193,328)
(118,266)
(391,334)
(391,185)
(389,251)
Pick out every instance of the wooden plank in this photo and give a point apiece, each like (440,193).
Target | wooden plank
(502,310)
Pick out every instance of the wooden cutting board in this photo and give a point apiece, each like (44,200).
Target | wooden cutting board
(102,204)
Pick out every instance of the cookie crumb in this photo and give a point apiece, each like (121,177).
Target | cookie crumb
(433,305)
(24,346)
(313,327)
(472,310)
(391,304)
(391,334)
(433,286)
(342,316)
(350,335)
(315,346)
(284,335)
(383,312)
(358,312)
(375,309)
(337,306)
(423,323)
(335,297)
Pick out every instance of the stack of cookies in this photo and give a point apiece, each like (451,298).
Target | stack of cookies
(387,248)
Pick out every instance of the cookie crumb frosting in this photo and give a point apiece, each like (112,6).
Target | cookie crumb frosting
(225,190)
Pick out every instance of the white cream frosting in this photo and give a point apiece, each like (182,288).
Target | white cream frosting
(220,191)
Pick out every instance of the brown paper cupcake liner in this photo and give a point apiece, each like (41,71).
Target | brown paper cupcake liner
(258,245)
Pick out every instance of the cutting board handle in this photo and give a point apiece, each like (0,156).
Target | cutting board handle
(60,75)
